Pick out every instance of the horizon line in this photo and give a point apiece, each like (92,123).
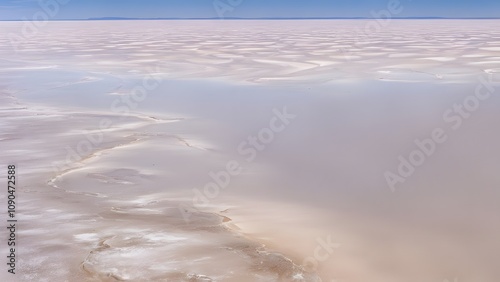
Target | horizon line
(260,18)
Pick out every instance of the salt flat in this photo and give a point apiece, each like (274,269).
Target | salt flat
(118,127)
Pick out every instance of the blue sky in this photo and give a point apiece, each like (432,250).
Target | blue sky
(82,9)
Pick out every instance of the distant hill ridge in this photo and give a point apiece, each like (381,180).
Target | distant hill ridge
(268,18)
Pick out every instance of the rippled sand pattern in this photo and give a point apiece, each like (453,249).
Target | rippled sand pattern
(267,51)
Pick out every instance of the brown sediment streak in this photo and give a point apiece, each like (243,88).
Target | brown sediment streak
(208,235)
(82,162)
(185,142)
(85,267)
(135,138)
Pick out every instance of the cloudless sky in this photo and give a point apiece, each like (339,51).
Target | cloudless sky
(83,9)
